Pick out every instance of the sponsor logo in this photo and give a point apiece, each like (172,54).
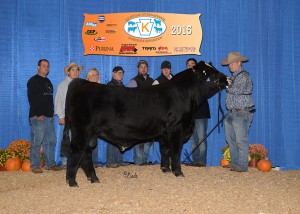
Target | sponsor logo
(145,27)
(149,48)
(162,50)
(104,48)
(91,24)
(97,48)
(128,49)
(110,31)
(111,25)
(100,39)
(101,19)
(91,32)
(185,49)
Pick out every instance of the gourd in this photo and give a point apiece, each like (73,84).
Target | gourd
(13,164)
(264,165)
(26,166)
(224,162)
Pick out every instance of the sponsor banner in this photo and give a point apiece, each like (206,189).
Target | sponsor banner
(141,34)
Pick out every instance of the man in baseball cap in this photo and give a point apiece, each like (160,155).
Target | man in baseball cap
(165,73)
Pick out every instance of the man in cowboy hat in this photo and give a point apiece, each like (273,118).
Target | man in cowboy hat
(72,71)
(240,105)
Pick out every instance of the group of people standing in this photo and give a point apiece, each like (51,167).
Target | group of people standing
(42,111)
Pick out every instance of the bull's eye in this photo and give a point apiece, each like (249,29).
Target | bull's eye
(204,72)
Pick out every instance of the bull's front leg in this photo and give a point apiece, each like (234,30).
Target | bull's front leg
(176,148)
(165,156)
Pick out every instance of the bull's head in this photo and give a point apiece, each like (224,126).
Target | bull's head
(207,70)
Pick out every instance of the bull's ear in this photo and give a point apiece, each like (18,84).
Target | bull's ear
(200,64)
(210,63)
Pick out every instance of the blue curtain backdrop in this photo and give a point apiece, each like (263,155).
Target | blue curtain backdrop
(265,31)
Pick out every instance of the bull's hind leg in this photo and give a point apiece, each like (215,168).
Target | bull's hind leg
(72,167)
(87,166)
(165,156)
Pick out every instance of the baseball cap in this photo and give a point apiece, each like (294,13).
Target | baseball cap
(165,64)
(117,68)
(142,62)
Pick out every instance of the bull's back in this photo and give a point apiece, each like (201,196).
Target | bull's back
(129,111)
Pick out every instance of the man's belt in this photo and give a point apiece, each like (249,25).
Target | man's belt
(250,109)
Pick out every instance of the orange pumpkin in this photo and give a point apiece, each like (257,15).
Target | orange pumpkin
(224,162)
(264,165)
(13,164)
(26,166)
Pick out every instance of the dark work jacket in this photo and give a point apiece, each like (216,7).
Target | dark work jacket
(203,111)
(161,79)
(141,81)
(114,82)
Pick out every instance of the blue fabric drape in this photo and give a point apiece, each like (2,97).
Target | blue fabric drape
(265,31)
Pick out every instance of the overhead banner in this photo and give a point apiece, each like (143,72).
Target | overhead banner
(141,34)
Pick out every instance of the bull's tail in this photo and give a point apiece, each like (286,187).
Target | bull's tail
(65,143)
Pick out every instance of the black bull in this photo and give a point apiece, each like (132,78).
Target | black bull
(128,116)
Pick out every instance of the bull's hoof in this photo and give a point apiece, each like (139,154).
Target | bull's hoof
(178,174)
(95,180)
(165,170)
(72,183)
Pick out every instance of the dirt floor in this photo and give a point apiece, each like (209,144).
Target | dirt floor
(145,189)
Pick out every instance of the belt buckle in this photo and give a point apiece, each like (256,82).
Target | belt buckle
(252,110)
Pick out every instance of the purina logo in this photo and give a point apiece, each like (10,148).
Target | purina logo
(145,27)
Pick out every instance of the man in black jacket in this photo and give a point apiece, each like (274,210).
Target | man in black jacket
(114,157)
(165,73)
(201,121)
(41,117)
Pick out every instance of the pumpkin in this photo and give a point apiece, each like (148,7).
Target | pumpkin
(13,164)
(264,165)
(26,166)
(224,162)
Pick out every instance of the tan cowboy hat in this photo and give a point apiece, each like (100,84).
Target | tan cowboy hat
(234,57)
(73,64)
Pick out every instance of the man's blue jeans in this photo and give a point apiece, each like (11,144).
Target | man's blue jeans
(237,126)
(42,133)
(200,154)
(140,153)
(95,154)
(113,155)
(64,159)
